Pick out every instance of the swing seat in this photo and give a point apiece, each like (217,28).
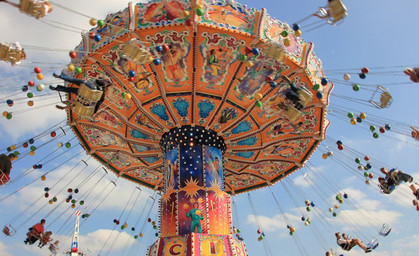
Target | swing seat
(82,110)
(385,230)
(4,179)
(53,249)
(9,230)
(45,240)
(4,50)
(33,8)
(386,233)
(291,113)
(323,13)
(86,101)
(338,10)
(34,234)
(10,53)
(84,93)
(385,98)
(136,54)
(415,133)
(389,190)
(26,6)
(6,231)
(305,97)
(275,51)
(373,244)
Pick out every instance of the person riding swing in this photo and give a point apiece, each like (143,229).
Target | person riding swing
(88,95)
(347,244)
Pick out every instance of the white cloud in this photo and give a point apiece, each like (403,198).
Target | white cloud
(356,212)
(269,224)
(360,200)
(401,143)
(275,223)
(402,196)
(410,243)
(98,239)
(364,211)
(4,249)
(19,248)
(355,219)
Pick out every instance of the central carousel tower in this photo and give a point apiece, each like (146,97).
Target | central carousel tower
(205,99)
(195,212)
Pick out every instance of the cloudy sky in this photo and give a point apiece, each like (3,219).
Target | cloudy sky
(378,34)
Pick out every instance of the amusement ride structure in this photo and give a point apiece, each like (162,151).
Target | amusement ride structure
(199,101)
(202,100)
(74,251)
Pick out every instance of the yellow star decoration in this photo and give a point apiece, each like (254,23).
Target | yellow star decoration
(191,188)
(168,193)
(216,188)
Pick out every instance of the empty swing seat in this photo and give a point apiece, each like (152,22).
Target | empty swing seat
(275,51)
(337,10)
(385,99)
(26,6)
(4,178)
(136,54)
(8,230)
(4,49)
(38,9)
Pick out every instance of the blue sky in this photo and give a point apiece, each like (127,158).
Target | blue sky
(378,34)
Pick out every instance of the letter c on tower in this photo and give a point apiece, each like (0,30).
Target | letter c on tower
(172,249)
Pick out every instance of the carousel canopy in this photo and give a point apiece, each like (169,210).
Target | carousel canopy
(200,65)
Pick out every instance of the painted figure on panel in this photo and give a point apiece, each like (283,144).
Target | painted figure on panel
(254,79)
(196,216)
(173,60)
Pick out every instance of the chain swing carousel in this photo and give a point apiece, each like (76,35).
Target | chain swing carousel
(206,99)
